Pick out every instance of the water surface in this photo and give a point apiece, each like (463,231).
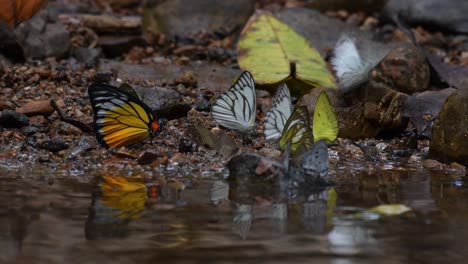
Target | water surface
(70,219)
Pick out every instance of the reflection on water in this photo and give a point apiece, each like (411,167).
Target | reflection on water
(129,220)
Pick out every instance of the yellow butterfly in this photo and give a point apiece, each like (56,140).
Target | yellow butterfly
(120,117)
(297,130)
(325,125)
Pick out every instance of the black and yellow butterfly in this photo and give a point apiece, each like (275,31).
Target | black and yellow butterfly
(297,130)
(120,117)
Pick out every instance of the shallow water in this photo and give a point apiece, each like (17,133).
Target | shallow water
(71,219)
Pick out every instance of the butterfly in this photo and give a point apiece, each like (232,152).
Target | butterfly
(315,161)
(350,68)
(236,108)
(297,130)
(120,117)
(325,125)
(278,115)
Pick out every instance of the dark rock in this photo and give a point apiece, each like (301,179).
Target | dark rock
(116,45)
(84,143)
(159,98)
(31,130)
(53,145)
(88,56)
(449,15)
(67,129)
(9,47)
(12,119)
(422,109)
(453,75)
(403,69)
(450,130)
(180,18)
(323,32)
(373,110)
(210,77)
(103,77)
(43,37)
(367,6)
(147,157)
(160,74)
(186,145)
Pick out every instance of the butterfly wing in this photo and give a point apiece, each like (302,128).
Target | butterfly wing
(350,69)
(236,108)
(325,125)
(278,114)
(297,130)
(315,161)
(120,118)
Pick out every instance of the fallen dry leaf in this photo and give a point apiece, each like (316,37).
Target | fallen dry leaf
(14,12)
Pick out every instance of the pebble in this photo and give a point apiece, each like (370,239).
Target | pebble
(12,119)
(147,157)
(42,107)
(53,145)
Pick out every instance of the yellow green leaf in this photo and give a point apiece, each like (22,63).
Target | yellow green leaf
(274,52)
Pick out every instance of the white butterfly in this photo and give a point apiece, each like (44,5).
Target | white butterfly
(278,114)
(236,108)
(351,70)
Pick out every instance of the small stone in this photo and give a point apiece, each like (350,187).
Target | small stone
(31,130)
(353,149)
(38,120)
(88,56)
(457,166)
(186,145)
(432,164)
(84,144)
(53,145)
(67,129)
(160,161)
(147,157)
(414,158)
(270,153)
(43,158)
(42,107)
(12,119)
(179,158)
(381,146)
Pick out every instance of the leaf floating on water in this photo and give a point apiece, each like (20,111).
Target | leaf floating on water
(272,52)
(390,209)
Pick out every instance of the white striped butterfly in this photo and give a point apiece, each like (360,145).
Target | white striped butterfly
(120,117)
(278,115)
(236,108)
(297,130)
